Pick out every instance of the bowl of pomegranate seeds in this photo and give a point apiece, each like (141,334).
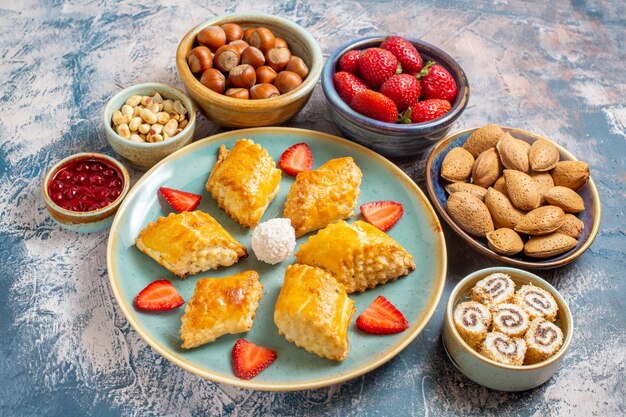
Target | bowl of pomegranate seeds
(393,94)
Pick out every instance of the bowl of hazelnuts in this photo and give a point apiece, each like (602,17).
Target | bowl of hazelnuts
(249,70)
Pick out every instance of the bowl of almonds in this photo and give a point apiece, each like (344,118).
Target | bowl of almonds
(514,196)
(145,123)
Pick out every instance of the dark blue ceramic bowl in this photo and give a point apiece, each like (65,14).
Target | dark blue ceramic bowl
(392,139)
(435,184)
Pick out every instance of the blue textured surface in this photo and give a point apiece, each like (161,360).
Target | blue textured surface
(66,349)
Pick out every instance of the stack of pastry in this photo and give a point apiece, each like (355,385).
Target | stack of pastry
(509,327)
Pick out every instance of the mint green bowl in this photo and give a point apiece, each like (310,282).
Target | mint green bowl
(416,295)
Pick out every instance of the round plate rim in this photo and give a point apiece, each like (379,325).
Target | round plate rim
(439,277)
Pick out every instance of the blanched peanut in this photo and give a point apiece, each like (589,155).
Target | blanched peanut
(165,136)
(157,98)
(156,129)
(136,138)
(146,101)
(154,138)
(173,115)
(144,128)
(123,131)
(133,101)
(148,116)
(179,108)
(181,117)
(182,124)
(163,117)
(136,111)
(168,106)
(154,108)
(170,128)
(117,116)
(127,110)
(135,123)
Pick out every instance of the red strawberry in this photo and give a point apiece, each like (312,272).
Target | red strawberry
(406,53)
(427,110)
(375,105)
(382,214)
(437,82)
(249,359)
(180,200)
(349,62)
(382,317)
(347,85)
(376,65)
(296,159)
(159,295)
(403,89)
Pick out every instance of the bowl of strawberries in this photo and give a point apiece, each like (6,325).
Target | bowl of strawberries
(393,94)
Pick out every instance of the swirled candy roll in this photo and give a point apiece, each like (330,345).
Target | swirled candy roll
(493,290)
(543,340)
(510,319)
(472,320)
(537,302)
(504,349)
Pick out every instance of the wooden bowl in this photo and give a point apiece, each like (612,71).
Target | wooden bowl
(232,112)
(438,195)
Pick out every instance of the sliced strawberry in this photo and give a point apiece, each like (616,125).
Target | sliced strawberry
(296,159)
(382,214)
(180,200)
(382,317)
(349,62)
(347,85)
(158,296)
(249,359)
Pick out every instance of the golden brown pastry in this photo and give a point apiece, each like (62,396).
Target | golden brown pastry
(359,255)
(314,312)
(244,181)
(323,196)
(220,306)
(189,242)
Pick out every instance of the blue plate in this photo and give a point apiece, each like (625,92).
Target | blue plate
(416,295)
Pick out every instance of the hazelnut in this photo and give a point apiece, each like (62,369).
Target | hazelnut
(226,58)
(242,76)
(200,59)
(263,91)
(241,93)
(297,65)
(265,74)
(252,56)
(212,37)
(240,45)
(233,31)
(280,43)
(247,33)
(286,81)
(213,80)
(262,38)
(278,58)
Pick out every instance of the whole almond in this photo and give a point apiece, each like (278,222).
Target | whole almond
(500,185)
(513,153)
(482,139)
(521,189)
(457,187)
(571,174)
(541,221)
(544,182)
(502,212)
(543,155)
(487,168)
(566,198)
(549,245)
(572,226)
(457,165)
(469,213)
(505,242)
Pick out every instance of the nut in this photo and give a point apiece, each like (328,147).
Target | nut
(297,65)
(286,81)
(265,75)
(572,226)
(541,221)
(241,45)
(505,242)
(133,101)
(262,38)
(212,37)
(148,116)
(500,185)
(280,43)
(469,213)
(549,245)
(513,153)
(571,174)
(487,168)
(543,155)
(278,58)
(544,182)
(482,139)
(263,91)
(226,58)
(123,131)
(457,165)
(241,93)
(457,187)
(213,80)
(232,31)
(200,59)
(521,189)
(502,211)
(253,56)
(170,128)
(242,76)
(566,198)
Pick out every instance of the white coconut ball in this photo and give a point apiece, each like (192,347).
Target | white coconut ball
(273,241)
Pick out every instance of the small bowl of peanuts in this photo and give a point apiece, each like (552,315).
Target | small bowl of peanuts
(145,123)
